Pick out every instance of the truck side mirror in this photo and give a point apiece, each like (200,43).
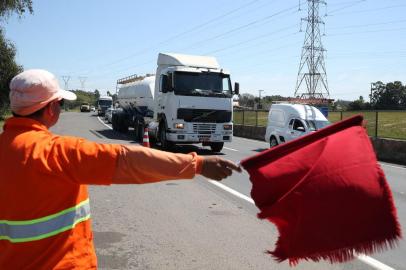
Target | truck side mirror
(236,88)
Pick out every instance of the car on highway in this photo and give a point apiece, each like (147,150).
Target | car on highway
(108,115)
(85,107)
(92,108)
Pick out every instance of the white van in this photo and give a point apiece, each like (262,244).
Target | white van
(287,122)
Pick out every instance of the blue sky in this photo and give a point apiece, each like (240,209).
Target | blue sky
(258,41)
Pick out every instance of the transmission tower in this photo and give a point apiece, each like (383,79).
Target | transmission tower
(82,82)
(312,69)
(66,80)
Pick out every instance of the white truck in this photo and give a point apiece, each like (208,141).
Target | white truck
(103,103)
(287,122)
(189,100)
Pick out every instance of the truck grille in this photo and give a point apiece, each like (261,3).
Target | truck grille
(205,116)
(204,128)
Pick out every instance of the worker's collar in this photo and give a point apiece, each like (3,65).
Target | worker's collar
(23,123)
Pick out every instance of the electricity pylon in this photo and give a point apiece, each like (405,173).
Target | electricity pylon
(312,69)
(82,82)
(66,80)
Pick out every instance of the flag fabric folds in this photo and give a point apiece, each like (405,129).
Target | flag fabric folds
(326,194)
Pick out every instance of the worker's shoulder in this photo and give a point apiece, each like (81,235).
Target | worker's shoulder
(82,144)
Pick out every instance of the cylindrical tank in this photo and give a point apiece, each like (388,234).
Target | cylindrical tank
(139,93)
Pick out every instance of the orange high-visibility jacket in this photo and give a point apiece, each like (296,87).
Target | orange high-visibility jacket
(44,204)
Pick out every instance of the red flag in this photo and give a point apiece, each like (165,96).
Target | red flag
(326,194)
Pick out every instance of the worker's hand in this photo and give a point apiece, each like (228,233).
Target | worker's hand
(217,168)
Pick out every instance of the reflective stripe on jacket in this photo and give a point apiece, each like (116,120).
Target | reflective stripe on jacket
(36,229)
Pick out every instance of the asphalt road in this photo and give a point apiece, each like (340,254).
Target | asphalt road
(194,224)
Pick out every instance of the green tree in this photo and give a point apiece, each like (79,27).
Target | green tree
(390,96)
(8,66)
(247,100)
(82,97)
(357,105)
(8,69)
(8,7)
(96,94)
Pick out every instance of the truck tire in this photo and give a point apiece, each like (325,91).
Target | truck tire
(216,146)
(165,144)
(114,122)
(273,142)
(121,125)
(139,130)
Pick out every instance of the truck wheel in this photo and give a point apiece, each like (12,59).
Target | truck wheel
(114,121)
(121,125)
(216,146)
(165,144)
(273,142)
(139,130)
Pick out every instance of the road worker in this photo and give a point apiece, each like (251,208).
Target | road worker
(44,204)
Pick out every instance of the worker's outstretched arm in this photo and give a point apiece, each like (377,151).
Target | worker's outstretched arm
(137,164)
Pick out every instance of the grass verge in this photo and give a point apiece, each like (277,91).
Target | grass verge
(384,124)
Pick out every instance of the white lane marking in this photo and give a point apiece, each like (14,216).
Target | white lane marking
(374,263)
(232,191)
(393,166)
(101,121)
(235,150)
(363,258)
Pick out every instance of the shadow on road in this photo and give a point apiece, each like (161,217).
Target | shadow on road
(187,148)
(260,149)
(113,135)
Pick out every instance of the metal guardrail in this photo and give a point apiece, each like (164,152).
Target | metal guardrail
(383,124)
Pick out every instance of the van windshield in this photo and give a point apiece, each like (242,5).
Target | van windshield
(202,84)
(314,125)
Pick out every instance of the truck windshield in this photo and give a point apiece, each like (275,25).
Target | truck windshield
(202,84)
(105,102)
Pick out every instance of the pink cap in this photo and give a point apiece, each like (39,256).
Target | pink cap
(33,89)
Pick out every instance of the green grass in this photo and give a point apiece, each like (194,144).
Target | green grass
(391,124)
(251,118)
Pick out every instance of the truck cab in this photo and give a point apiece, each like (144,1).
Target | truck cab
(103,103)
(193,101)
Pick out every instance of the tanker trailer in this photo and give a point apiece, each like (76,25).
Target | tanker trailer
(135,104)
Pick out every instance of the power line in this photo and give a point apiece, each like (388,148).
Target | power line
(250,24)
(370,31)
(350,4)
(182,33)
(252,39)
(267,18)
(367,25)
(367,10)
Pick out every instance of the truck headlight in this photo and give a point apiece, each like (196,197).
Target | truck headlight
(178,126)
(227,127)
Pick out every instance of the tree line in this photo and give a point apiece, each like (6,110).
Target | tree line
(384,96)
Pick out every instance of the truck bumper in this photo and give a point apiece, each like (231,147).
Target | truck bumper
(197,138)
